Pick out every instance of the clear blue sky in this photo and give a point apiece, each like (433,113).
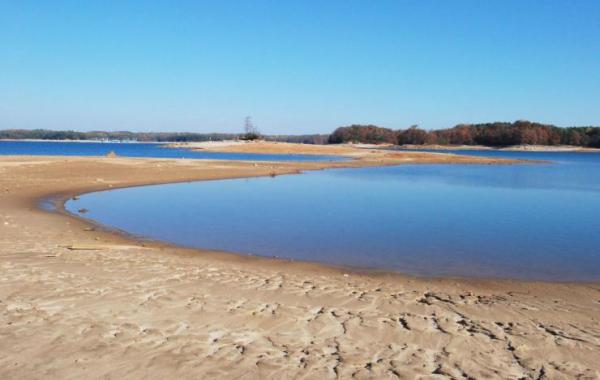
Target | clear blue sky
(296,67)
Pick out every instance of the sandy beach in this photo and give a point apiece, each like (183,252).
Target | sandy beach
(240,146)
(77,301)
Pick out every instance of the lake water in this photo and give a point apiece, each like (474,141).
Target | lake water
(59,148)
(533,221)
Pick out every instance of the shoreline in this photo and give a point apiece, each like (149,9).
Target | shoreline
(151,310)
(85,141)
(512,148)
(274,147)
(59,201)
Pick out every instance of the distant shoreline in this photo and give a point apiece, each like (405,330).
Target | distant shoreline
(86,141)
(235,145)
(249,146)
(513,148)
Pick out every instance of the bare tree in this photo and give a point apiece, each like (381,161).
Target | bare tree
(250,130)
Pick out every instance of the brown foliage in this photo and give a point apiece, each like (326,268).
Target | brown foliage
(498,134)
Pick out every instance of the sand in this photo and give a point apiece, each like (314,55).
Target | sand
(260,146)
(80,302)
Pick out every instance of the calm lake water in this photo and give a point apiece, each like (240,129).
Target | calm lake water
(57,148)
(529,221)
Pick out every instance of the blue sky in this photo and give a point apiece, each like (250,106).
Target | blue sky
(296,66)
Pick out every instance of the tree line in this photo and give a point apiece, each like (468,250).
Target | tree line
(43,134)
(496,134)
